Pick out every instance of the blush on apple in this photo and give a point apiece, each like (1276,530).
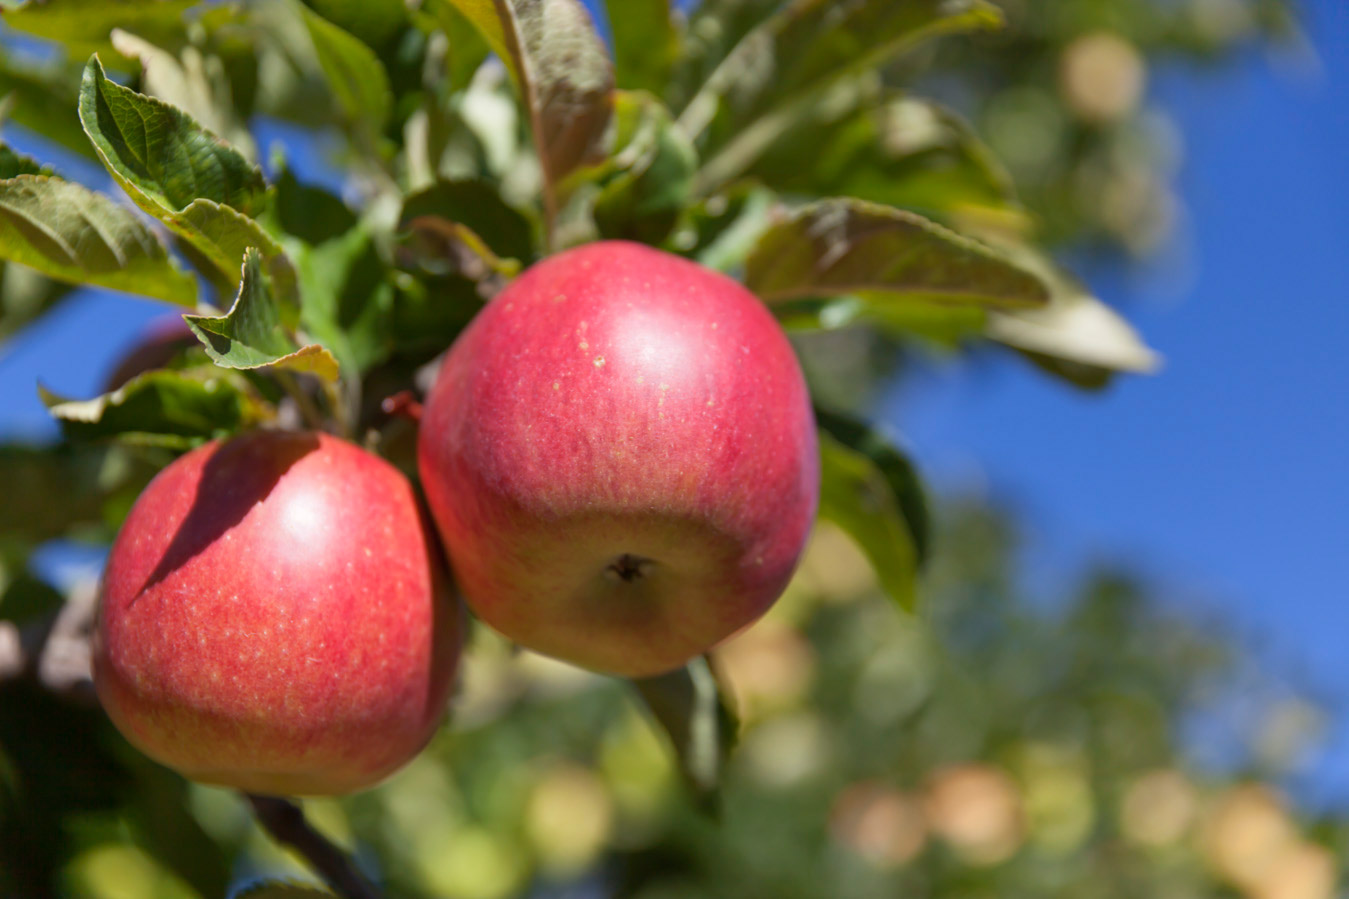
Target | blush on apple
(621,457)
(274,618)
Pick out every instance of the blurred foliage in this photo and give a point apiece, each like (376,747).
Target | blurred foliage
(887,176)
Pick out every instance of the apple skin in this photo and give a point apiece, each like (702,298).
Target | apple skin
(621,457)
(275,617)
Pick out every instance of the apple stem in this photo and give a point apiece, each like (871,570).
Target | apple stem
(403,404)
(285,821)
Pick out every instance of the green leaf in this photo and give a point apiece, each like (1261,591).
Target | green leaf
(645,43)
(815,42)
(646,182)
(195,84)
(468,49)
(161,157)
(354,73)
(722,230)
(484,17)
(901,152)
(54,491)
(1076,337)
(693,707)
(308,212)
(251,334)
(83,27)
(437,246)
(348,298)
(430,310)
(43,99)
(25,296)
(899,473)
(13,164)
(883,255)
(762,87)
(714,30)
(563,72)
(68,232)
(375,22)
(176,409)
(221,234)
(857,495)
(24,597)
(478,206)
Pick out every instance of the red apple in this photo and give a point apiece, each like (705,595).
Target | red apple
(273,618)
(621,457)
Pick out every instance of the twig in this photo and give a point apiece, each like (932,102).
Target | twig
(54,650)
(286,823)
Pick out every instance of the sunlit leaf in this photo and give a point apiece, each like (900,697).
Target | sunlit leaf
(693,707)
(1076,337)
(885,255)
(251,334)
(70,233)
(858,495)
(160,408)
(161,157)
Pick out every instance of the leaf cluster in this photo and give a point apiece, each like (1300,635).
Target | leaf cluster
(786,143)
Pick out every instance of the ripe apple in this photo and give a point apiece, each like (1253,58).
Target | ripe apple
(274,618)
(621,457)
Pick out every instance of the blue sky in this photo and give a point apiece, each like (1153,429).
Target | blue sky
(1227,475)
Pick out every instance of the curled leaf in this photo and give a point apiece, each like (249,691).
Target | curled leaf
(251,334)
(885,255)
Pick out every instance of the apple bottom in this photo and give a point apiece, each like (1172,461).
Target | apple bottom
(334,755)
(633,594)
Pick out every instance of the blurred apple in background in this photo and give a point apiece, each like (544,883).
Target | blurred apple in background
(621,456)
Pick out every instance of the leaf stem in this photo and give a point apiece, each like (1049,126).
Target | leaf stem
(285,821)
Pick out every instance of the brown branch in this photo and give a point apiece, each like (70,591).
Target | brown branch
(286,823)
(54,651)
